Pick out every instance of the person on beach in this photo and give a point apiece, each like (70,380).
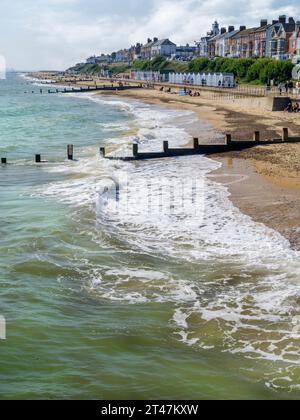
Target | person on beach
(296,107)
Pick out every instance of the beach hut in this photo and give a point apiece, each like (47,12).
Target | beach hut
(198,79)
(209,80)
(214,80)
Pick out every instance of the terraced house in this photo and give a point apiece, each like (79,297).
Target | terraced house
(223,42)
(146,50)
(242,43)
(278,37)
(214,43)
(294,43)
(260,39)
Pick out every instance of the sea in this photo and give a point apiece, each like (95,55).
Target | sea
(132,280)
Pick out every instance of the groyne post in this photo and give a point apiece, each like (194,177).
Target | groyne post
(196,143)
(3,161)
(38,159)
(102,151)
(285,134)
(228,139)
(166,147)
(256,136)
(70,151)
(135,149)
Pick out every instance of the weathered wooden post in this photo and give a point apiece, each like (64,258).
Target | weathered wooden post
(166,147)
(228,139)
(70,151)
(135,149)
(38,159)
(3,161)
(196,143)
(102,151)
(256,136)
(285,134)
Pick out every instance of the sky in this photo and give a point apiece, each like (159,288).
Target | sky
(56,34)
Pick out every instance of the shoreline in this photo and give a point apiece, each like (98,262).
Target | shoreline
(266,180)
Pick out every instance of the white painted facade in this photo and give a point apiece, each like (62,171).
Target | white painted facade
(163,47)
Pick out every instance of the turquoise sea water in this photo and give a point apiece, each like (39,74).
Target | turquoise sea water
(139,302)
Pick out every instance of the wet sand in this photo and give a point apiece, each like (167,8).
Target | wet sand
(278,207)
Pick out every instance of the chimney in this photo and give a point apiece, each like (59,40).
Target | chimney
(155,39)
(274,22)
(282,19)
(230,28)
(242,28)
(291,21)
(263,22)
(223,31)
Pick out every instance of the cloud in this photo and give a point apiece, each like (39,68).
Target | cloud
(58,33)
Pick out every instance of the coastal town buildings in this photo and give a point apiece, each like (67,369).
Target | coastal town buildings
(146,50)
(186,52)
(123,55)
(135,52)
(278,39)
(100,59)
(202,45)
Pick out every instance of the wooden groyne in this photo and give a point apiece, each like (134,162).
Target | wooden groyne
(89,89)
(37,158)
(203,149)
(168,152)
